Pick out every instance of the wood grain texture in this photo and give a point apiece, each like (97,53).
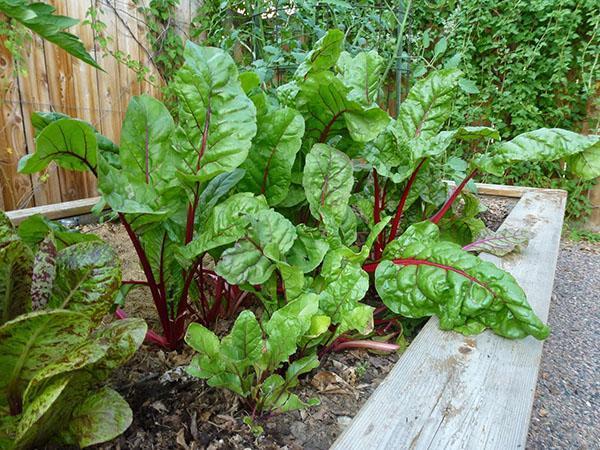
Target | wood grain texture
(57,211)
(15,188)
(449,391)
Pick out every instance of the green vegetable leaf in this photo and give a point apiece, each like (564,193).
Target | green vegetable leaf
(545,144)
(308,249)
(362,74)
(324,54)
(243,346)
(87,278)
(269,164)
(101,417)
(425,276)
(70,143)
(328,182)
(16,261)
(217,119)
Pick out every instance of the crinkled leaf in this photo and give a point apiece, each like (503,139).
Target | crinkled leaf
(87,278)
(362,74)
(270,160)
(70,143)
(217,119)
(324,54)
(586,164)
(226,223)
(268,239)
(308,249)
(323,101)
(216,189)
(428,277)
(428,105)
(545,144)
(328,181)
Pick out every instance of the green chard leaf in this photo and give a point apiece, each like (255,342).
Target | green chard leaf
(324,54)
(217,119)
(422,276)
(545,144)
(16,260)
(362,74)
(328,181)
(270,160)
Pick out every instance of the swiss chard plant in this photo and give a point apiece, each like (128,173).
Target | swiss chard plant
(53,354)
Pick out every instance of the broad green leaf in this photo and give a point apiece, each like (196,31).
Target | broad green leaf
(428,105)
(362,74)
(328,112)
(226,223)
(586,164)
(499,243)
(286,326)
(217,119)
(428,277)
(308,249)
(44,273)
(545,144)
(324,54)
(270,160)
(145,147)
(29,342)
(40,18)
(216,189)
(244,344)
(70,143)
(102,416)
(16,261)
(292,279)
(36,228)
(359,319)
(251,259)
(348,227)
(300,367)
(328,181)
(87,278)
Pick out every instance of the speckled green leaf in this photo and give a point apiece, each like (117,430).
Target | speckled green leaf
(70,143)
(16,260)
(217,119)
(328,181)
(44,273)
(102,416)
(36,228)
(270,160)
(428,277)
(545,144)
(324,54)
(31,342)
(88,276)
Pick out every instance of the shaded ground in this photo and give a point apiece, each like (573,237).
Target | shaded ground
(566,411)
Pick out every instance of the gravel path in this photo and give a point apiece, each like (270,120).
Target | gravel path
(566,410)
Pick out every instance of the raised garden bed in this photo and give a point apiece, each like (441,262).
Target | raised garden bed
(445,390)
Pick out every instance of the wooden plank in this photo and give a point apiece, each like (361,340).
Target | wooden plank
(506,191)
(15,189)
(449,391)
(35,97)
(56,211)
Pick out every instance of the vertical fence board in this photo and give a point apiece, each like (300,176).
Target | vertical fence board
(13,186)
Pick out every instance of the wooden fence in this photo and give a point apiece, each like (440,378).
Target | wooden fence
(55,81)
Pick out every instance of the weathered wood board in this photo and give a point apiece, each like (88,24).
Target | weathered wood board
(450,391)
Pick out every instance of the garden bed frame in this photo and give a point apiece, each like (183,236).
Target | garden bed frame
(448,390)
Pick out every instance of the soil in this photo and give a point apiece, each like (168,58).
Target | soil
(172,410)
